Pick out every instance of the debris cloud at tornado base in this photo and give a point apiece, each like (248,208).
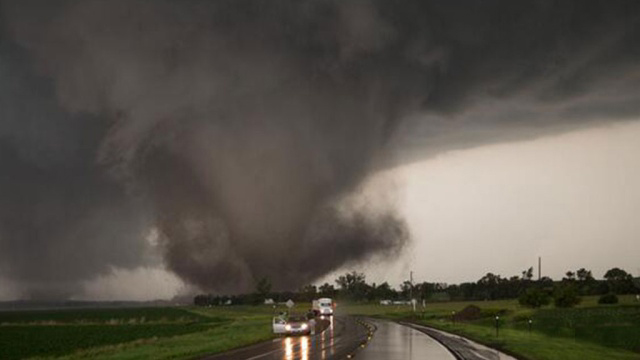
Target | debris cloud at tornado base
(239,130)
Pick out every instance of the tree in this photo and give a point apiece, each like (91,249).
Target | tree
(425,289)
(608,299)
(353,285)
(619,281)
(566,296)
(584,275)
(384,292)
(569,276)
(308,292)
(534,298)
(327,290)
(263,288)
(527,274)
(406,288)
(546,281)
(489,279)
(489,286)
(586,283)
(350,280)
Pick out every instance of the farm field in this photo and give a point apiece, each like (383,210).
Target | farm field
(588,331)
(130,333)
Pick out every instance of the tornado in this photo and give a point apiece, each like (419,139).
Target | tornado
(241,132)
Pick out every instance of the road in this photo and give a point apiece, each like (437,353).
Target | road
(395,341)
(342,337)
(464,349)
(348,337)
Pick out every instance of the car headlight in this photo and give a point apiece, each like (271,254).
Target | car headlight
(304,326)
(287,327)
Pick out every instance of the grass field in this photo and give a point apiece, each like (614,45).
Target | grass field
(132,333)
(100,316)
(586,332)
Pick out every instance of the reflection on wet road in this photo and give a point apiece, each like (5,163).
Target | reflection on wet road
(296,348)
(347,337)
(341,338)
(395,341)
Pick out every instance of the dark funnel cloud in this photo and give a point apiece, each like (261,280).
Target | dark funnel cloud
(240,131)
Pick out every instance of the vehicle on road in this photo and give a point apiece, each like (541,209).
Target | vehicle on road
(323,306)
(292,325)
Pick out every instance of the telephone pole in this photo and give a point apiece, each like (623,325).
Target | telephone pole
(539,268)
(411,288)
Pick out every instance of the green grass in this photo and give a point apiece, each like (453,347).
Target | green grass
(536,345)
(617,327)
(27,341)
(99,316)
(245,331)
(131,333)
(586,332)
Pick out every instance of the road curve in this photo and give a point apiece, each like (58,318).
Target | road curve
(463,348)
(348,337)
(394,341)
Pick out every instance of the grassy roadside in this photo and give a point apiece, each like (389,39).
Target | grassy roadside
(534,346)
(244,331)
(248,325)
(132,333)
(587,332)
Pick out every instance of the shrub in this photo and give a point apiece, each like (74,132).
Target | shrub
(566,296)
(470,312)
(608,299)
(534,298)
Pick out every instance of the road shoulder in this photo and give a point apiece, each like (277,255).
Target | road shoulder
(462,348)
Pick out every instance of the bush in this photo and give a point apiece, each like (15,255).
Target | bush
(534,298)
(608,299)
(469,313)
(566,296)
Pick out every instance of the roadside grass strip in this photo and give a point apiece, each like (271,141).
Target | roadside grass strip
(533,346)
(240,333)
(586,332)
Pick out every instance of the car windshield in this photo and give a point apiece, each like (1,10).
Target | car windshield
(325,304)
(297,318)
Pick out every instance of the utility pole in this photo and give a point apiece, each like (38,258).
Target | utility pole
(411,288)
(539,268)
(413,301)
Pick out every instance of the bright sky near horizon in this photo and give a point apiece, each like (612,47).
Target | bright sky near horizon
(572,199)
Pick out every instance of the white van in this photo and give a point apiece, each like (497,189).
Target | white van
(323,306)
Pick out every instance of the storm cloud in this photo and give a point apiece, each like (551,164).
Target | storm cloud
(239,131)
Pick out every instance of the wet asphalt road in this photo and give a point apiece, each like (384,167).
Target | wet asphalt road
(395,341)
(464,349)
(348,337)
(342,338)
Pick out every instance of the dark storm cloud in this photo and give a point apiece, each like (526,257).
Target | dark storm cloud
(61,219)
(242,126)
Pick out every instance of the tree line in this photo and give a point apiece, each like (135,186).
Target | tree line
(352,286)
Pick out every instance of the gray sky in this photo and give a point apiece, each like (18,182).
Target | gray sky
(572,199)
(144,145)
